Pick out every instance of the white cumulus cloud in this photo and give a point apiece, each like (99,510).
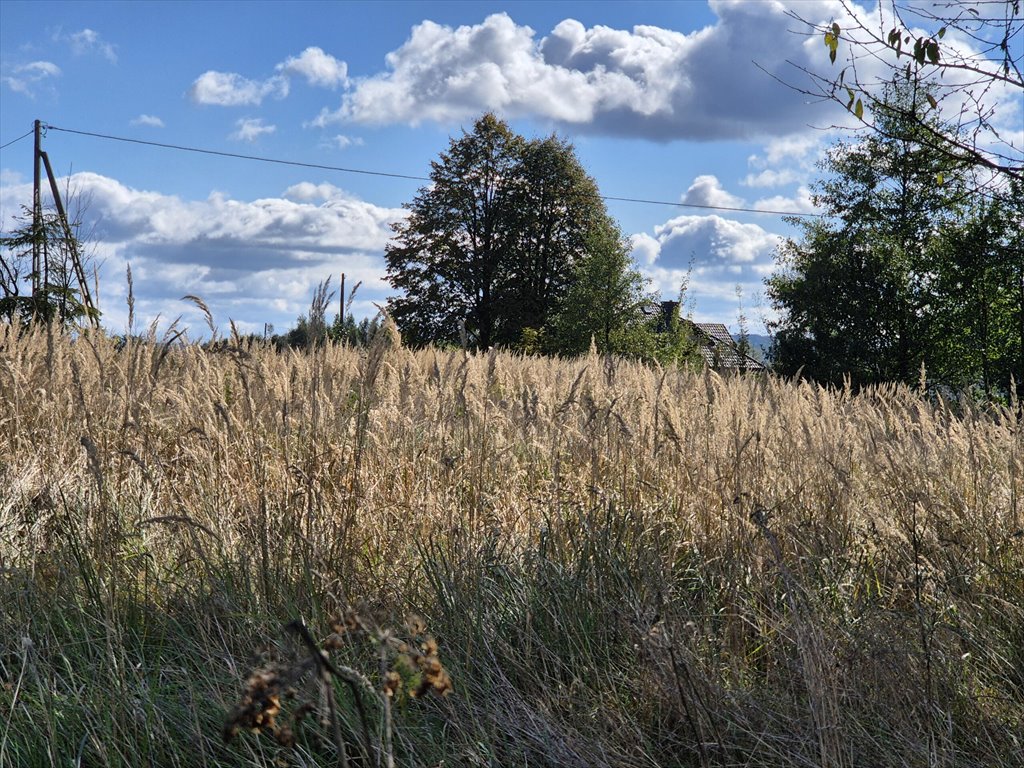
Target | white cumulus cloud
(319,68)
(644,248)
(712,240)
(646,82)
(799,202)
(228,89)
(306,191)
(707,191)
(712,255)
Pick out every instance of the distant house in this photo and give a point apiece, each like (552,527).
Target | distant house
(720,350)
(717,346)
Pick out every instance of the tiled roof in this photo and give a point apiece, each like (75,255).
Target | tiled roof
(714,341)
(719,349)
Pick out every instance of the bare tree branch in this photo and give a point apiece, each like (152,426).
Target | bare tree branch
(961,42)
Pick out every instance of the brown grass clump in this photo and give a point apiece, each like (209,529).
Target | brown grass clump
(624,566)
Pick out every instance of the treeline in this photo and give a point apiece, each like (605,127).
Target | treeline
(354,333)
(915,271)
(660,334)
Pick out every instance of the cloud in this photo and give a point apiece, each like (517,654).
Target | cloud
(227,89)
(251,128)
(712,255)
(306,191)
(149,120)
(795,148)
(800,202)
(25,77)
(712,240)
(10,177)
(707,191)
(644,248)
(255,261)
(647,82)
(788,159)
(771,177)
(342,142)
(88,41)
(230,89)
(317,67)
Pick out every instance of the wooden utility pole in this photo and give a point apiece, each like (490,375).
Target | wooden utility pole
(40,254)
(37,216)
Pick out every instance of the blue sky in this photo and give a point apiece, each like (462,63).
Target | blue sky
(662,100)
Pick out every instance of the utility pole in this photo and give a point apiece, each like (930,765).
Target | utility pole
(37,215)
(40,255)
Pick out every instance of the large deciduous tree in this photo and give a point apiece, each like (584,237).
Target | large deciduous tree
(449,258)
(494,245)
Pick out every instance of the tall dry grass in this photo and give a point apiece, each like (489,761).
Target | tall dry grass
(623,566)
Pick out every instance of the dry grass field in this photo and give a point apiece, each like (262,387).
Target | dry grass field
(620,565)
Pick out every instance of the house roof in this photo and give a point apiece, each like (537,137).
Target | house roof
(720,351)
(714,341)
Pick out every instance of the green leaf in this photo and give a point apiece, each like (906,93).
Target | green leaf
(919,50)
(933,52)
(939,178)
(932,101)
(894,36)
(942,33)
(858,109)
(832,55)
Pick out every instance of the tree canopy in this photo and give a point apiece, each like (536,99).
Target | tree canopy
(913,265)
(511,245)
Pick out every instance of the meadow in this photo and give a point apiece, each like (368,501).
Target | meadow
(507,560)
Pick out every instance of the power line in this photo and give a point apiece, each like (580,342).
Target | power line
(235,155)
(709,207)
(15,141)
(340,169)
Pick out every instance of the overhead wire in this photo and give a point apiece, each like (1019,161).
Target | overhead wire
(235,155)
(341,169)
(15,141)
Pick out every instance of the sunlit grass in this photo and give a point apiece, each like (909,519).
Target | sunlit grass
(622,566)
